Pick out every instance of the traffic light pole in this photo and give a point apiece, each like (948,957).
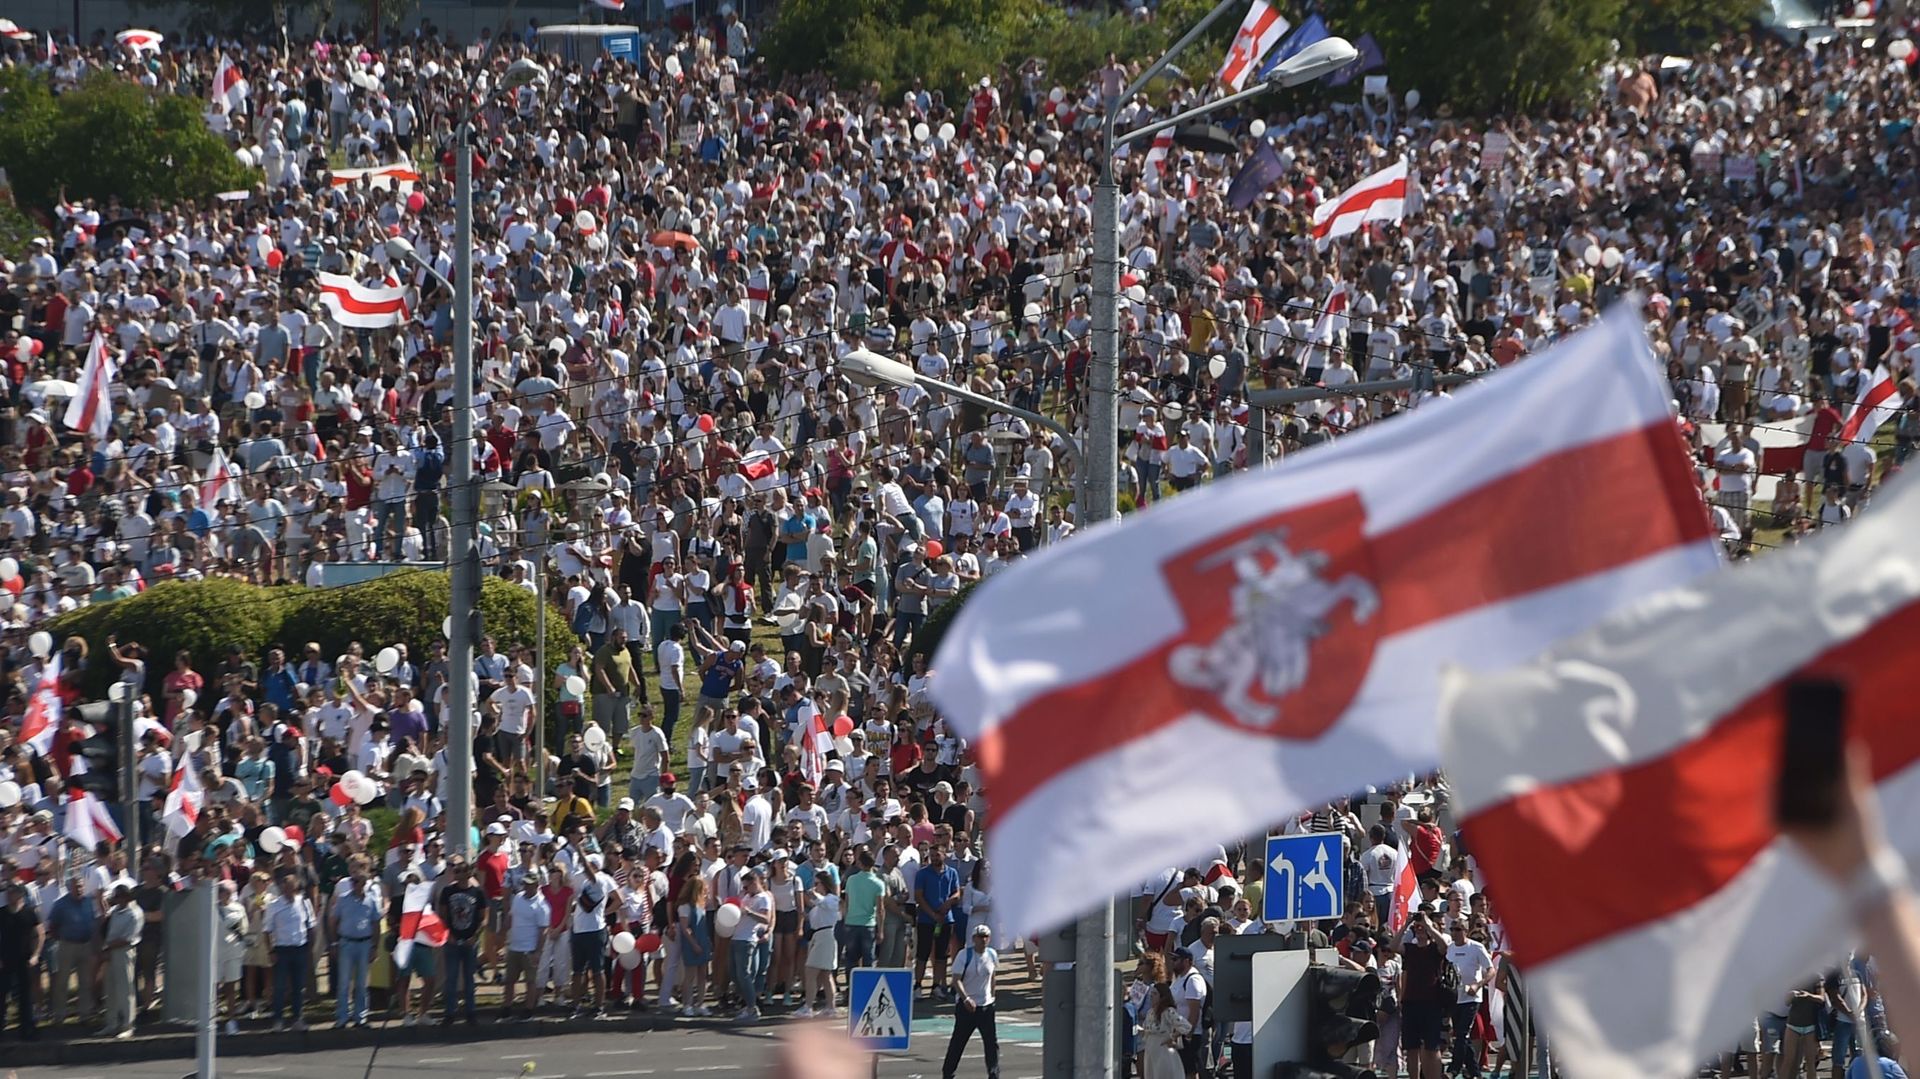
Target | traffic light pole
(129,785)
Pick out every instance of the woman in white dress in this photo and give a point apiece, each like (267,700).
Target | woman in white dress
(822,948)
(1161,1033)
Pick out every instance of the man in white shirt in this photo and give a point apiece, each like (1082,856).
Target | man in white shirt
(1736,465)
(1475,967)
(756,817)
(1185,462)
(593,896)
(289,927)
(674,807)
(514,702)
(972,978)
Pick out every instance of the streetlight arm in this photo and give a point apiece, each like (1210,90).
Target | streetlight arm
(1194,113)
(1166,58)
(1066,436)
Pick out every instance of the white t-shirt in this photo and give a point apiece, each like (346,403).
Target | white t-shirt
(515,703)
(1378,863)
(1473,963)
(753,929)
(1737,457)
(671,657)
(595,920)
(648,744)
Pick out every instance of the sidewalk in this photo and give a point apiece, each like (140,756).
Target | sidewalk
(161,1040)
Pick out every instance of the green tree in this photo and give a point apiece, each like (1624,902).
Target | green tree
(109,138)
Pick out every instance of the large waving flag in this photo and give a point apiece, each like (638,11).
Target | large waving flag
(1878,402)
(1312,29)
(91,410)
(419,922)
(42,719)
(229,85)
(1380,197)
(363,307)
(1262,27)
(1281,634)
(1618,794)
(184,798)
(88,823)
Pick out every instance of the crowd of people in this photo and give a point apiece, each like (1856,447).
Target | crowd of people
(671,256)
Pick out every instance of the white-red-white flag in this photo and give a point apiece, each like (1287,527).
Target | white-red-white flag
(1380,197)
(229,85)
(1617,794)
(91,410)
(815,746)
(88,823)
(42,719)
(1879,402)
(185,796)
(363,307)
(399,178)
(1405,888)
(419,922)
(221,482)
(1279,636)
(1259,31)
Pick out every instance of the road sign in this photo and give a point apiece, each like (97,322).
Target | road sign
(880,1008)
(1305,878)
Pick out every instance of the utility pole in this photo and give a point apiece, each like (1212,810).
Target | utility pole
(540,674)
(129,772)
(462,555)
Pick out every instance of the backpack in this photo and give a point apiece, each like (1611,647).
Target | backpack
(582,618)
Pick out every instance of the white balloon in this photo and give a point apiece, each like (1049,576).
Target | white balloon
(1900,48)
(386,659)
(446,627)
(1056,95)
(1257,128)
(1217,366)
(1611,258)
(622,942)
(595,737)
(843,746)
(189,698)
(1863,9)
(9,794)
(1777,188)
(352,779)
(1137,293)
(1593,255)
(576,685)
(272,839)
(9,569)
(40,644)
(1036,156)
(366,791)
(256,399)
(629,960)
(1413,99)
(726,917)
(947,132)
(921,132)
(583,221)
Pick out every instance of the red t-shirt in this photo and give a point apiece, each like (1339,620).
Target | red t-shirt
(1425,850)
(493,874)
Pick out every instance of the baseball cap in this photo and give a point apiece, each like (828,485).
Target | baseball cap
(668,779)
(624,803)
(1183,952)
(781,854)
(496,829)
(737,647)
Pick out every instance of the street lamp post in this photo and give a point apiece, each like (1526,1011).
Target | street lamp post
(869,367)
(1094,1037)
(463,560)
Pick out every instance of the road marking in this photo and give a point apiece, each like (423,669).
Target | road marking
(257,1071)
(614,1052)
(701,1048)
(634,1071)
(440,1060)
(711,1067)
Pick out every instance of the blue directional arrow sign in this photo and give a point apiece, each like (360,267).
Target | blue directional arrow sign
(1304,877)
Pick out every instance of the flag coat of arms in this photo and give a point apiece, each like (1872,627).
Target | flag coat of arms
(1617,793)
(1275,640)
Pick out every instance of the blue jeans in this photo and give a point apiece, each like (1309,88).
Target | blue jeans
(750,969)
(662,621)
(289,980)
(462,967)
(350,981)
(670,715)
(856,946)
(641,788)
(1465,1060)
(905,623)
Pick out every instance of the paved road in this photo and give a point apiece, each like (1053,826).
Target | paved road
(692,1052)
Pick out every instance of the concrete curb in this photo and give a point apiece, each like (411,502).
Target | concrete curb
(175,1045)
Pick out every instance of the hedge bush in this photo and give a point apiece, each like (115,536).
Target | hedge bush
(205,617)
(934,630)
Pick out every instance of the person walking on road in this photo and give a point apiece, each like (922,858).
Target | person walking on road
(973,971)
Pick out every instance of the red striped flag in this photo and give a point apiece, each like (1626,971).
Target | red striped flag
(42,718)
(1259,31)
(1380,197)
(88,823)
(1406,888)
(419,922)
(91,410)
(229,85)
(364,307)
(222,482)
(1617,793)
(184,798)
(757,466)
(1280,637)
(1879,402)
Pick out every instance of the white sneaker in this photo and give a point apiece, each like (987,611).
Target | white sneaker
(803,1012)
(299,1024)
(828,1012)
(410,1020)
(233,1027)
(687,1012)
(703,1012)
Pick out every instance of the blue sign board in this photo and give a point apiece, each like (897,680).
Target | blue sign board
(880,1008)
(622,47)
(1304,877)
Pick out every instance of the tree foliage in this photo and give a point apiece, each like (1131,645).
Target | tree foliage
(108,139)
(1481,56)
(949,44)
(934,629)
(204,617)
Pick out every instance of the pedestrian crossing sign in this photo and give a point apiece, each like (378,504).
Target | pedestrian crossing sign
(880,1008)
